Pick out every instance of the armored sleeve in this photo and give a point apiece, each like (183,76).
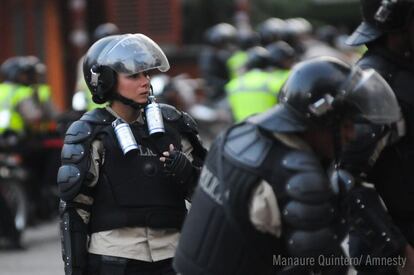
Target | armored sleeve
(313,222)
(76,178)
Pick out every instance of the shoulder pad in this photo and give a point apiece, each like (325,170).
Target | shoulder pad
(69,181)
(301,161)
(375,61)
(309,187)
(73,153)
(247,145)
(190,125)
(78,132)
(98,116)
(169,112)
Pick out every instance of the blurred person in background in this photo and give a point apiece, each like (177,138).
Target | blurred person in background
(126,168)
(11,121)
(221,44)
(256,89)
(82,98)
(271,30)
(246,39)
(299,35)
(264,191)
(27,119)
(282,58)
(41,142)
(387,30)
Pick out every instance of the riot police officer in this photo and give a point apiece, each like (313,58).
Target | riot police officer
(264,196)
(12,121)
(256,89)
(221,41)
(387,30)
(272,30)
(246,39)
(124,185)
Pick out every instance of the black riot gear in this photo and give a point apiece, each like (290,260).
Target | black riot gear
(137,193)
(128,54)
(322,91)
(393,164)
(24,70)
(10,68)
(380,17)
(258,152)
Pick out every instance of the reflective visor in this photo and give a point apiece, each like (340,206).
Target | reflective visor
(370,94)
(133,53)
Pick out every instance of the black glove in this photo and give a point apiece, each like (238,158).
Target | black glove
(178,166)
(368,217)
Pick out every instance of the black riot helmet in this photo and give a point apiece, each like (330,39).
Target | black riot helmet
(24,70)
(281,53)
(272,30)
(247,39)
(379,17)
(128,54)
(257,57)
(221,35)
(10,68)
(323,91)
(104,30)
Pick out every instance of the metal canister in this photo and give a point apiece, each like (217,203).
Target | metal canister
(154,117)
(124,135)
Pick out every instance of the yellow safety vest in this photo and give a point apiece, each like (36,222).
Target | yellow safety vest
(254,92)
(235,63)
(10,119)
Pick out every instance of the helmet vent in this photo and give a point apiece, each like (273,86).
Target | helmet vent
(322,106)
(94,77)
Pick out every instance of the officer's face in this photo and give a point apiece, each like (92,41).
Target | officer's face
(135,87)
(348,132)
(322,143)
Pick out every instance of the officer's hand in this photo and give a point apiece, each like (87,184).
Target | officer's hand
(176,164)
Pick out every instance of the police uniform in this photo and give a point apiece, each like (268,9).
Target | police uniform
(223,235)
(242,216)
(391,173)
(392,165)
(129,207)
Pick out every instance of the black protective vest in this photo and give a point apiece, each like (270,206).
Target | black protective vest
(393,174)
(218,237)
(133,190)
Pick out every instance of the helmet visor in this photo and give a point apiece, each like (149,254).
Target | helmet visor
(133,53)
(372,97)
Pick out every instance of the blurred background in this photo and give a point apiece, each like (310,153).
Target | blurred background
(59,32)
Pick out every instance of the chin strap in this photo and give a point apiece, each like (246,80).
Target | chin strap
(130,102)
